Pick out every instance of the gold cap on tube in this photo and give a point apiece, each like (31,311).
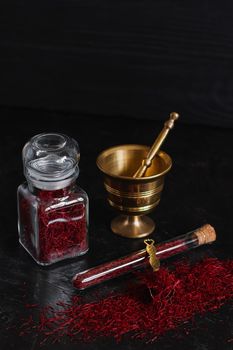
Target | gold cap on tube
(205,234)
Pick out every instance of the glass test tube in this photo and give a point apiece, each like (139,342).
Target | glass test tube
(139,259)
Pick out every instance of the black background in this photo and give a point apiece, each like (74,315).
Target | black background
(108,73)
(119,58)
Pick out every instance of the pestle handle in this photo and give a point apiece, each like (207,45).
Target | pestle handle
(146,163)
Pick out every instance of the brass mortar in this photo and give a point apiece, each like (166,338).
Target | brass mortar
(132,197)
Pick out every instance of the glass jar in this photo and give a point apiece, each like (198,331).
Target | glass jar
(52,209)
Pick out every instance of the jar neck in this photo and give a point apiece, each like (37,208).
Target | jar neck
(62,192)
(48,184)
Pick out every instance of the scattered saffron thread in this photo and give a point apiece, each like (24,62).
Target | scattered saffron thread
(163,301)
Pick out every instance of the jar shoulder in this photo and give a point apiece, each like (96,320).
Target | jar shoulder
(79,191)
(47,198)
(24,192)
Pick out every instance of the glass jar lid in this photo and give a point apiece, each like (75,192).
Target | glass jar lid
(51,160)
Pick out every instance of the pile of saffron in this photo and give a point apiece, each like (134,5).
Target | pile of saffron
(162,301)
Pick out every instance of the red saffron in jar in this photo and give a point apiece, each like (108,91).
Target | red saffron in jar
(174,298)
(61,223)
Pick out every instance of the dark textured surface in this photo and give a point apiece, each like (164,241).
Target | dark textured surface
(197,190)
(122,58)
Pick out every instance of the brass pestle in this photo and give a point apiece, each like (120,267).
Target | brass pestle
(146,163)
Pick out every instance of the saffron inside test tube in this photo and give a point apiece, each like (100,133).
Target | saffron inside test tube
(140,259)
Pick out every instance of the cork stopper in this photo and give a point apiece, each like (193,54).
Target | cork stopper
(205,234)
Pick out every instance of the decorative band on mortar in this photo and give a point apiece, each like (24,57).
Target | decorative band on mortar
(118,193)
(140,209)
